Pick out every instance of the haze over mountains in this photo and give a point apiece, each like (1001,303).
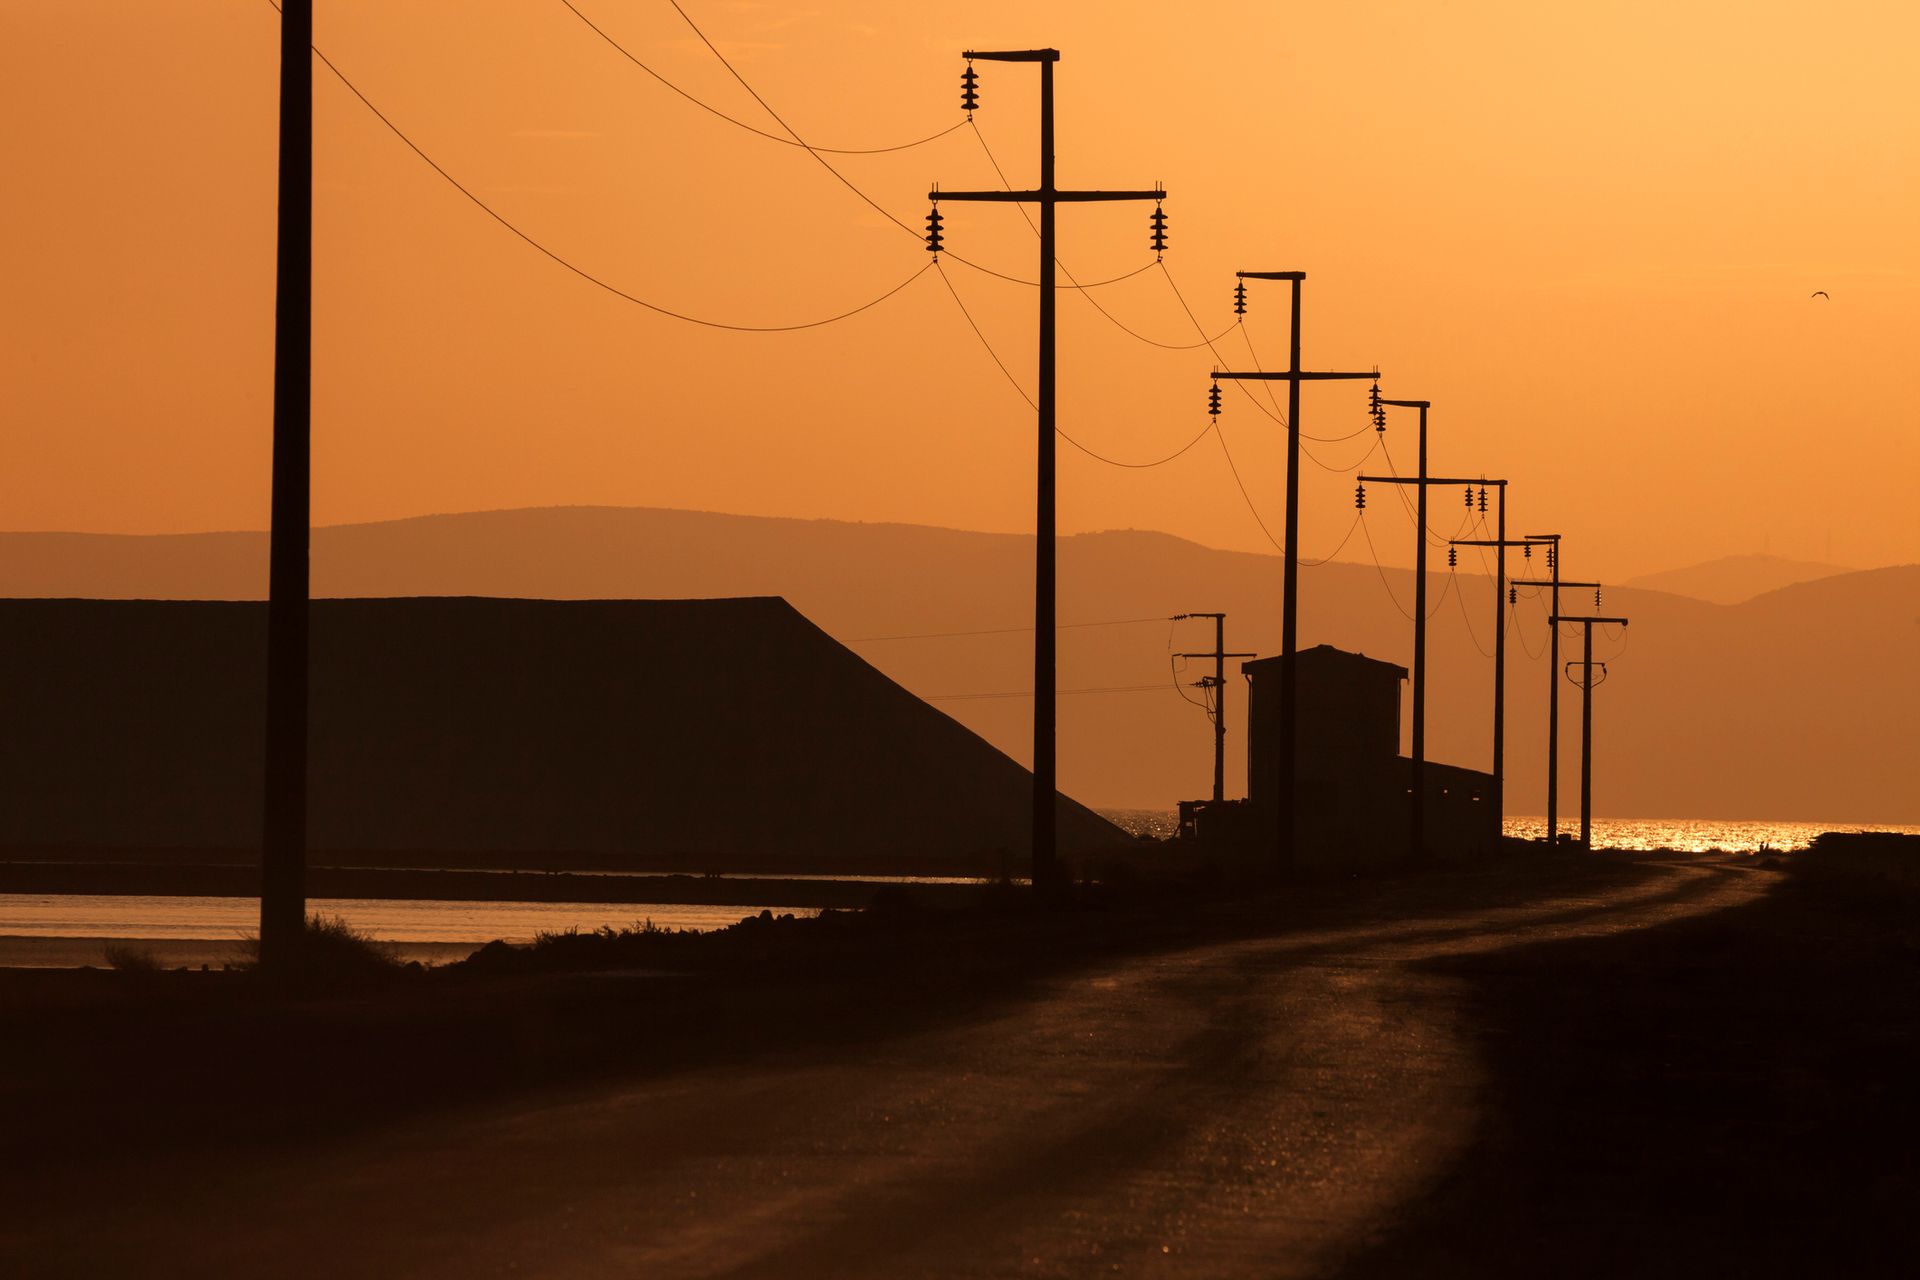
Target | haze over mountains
(1797,704)
(1734,579)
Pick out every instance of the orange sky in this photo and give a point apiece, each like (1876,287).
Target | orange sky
(1589,238)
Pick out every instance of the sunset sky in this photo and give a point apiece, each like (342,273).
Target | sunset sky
(1589,236)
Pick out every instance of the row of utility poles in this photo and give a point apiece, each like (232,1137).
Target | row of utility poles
(282,904)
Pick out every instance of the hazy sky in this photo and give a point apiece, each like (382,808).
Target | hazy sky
(1588,234)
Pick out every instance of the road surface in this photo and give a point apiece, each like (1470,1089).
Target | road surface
(1267,1107)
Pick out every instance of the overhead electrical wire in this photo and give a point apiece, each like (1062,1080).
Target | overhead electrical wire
(797,140)
(1022,392)
(974,325)
(847,182)
(1028,693)
(1074,281)
(1520,635)
(1210,344)
(582,272)
(1001,631)
(1374,553)
(1467,618)
(1240,484)
(1328,558)
(629,55)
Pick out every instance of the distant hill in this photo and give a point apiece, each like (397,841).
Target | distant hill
(1734,579)
(1799,704)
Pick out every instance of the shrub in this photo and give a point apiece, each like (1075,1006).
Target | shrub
(331,950)
(128,958)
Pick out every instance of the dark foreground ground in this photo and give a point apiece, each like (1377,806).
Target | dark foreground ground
(1565,1066)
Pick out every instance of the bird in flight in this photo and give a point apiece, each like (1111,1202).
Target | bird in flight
(1820,293)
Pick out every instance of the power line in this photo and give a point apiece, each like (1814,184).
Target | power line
(1374,554)
(778,119)
(582,272)
(1246,497)
(1022,392)
(1073,281)
(975,326)
(1210,345)
(1028,693)
(1136,466)
(713,110)
(1328,558)
(847,182)
(1468,619)
(1520,634)
(1205,341)
(1001,631)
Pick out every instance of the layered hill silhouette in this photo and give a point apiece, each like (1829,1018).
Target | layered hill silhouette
(1799,704)
(1735,579)
(718,734)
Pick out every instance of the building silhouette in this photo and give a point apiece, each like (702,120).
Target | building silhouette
(1354,790)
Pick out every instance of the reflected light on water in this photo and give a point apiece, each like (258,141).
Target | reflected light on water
(388,919)
(1685,835)
(1694,835)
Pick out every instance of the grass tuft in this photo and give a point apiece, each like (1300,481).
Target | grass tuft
(127,958)
(332,952)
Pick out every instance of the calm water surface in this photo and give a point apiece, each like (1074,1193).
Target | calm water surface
(25,915)
(1688,835)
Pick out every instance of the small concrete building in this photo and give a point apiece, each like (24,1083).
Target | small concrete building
(1353,786)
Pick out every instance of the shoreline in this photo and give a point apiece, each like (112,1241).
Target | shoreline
(36,951)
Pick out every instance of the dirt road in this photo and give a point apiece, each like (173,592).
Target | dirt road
(1265,1107)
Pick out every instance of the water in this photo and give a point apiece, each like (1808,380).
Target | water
(1696,835)
(1686,835)
(1160,824)
(72,929)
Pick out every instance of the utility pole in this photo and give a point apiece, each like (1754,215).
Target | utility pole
(1586,683)
(1046,864)
(283,905)
(1417,815)
(1552,541)
(1293,376)
(1218,683)
(1500,542)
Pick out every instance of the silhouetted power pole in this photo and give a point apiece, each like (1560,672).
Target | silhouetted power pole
(1552,543)
(1218,683)
(1417,816)
(1293,375)
(283,904)
(1586,683)
(1501,604)
(1046,869)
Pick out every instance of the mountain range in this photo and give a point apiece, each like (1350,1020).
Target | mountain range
(1735,579)
(1798,704)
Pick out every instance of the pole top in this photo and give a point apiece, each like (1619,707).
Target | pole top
(1408,404)
(1013,55)
(1270,275)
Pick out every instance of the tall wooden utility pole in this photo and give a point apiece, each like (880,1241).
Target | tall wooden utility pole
(283,905)
(1586,683)
(1500,607)
(1417,811)
(1293,376)
(1552,543)
(1218,683)
(1046,863)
